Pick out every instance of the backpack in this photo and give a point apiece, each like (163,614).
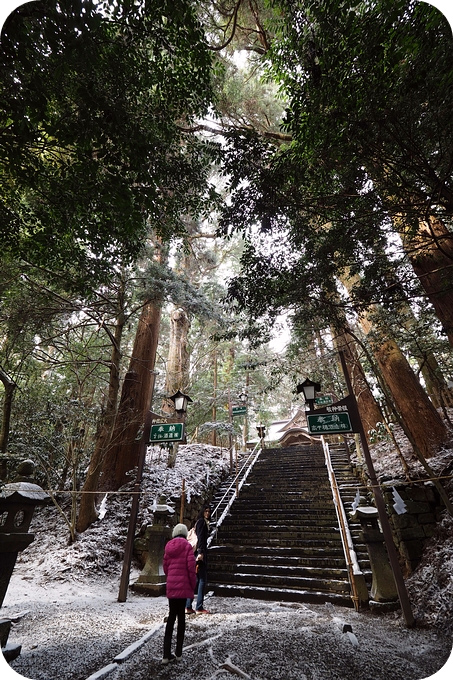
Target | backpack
(193,539)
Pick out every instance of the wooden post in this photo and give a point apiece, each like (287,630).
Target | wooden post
(381,508)
(230,435)
(183,500)
(214,405)
(237,477)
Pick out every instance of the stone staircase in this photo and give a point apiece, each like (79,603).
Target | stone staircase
(281,540)
(225,493)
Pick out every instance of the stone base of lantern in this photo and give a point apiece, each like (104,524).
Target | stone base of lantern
(152,580)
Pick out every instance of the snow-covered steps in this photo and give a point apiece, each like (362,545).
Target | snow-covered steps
(282,595)
(269,556)
(281,539)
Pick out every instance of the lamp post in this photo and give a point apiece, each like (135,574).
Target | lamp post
(181,402)
(308,387)
(381,507)
(243,397)
(261,434)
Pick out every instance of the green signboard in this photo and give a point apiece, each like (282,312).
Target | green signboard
(329,423)
(167,432)
(239,410)
(327,399)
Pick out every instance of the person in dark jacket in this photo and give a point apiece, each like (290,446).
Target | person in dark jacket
(179,567)
(202,531)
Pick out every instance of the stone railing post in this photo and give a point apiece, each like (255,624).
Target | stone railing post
(383,587)
(152,580)
(17,504)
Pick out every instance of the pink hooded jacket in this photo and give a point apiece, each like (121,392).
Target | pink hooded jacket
(179,567)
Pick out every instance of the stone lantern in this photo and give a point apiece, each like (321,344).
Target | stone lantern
(383,588)
(152,580)
(17,504)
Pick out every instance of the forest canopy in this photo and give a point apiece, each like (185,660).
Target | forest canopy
(178,179)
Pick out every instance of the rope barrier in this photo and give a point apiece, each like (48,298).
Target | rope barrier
(399,482)
(383,485)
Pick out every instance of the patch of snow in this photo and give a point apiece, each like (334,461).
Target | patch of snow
(103,507)
(64,599)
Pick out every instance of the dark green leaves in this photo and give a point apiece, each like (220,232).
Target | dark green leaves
(369,90)
(92,152)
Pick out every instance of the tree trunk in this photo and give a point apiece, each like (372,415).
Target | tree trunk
(135,401)
(177,366)
(436,385)
(370,413)
(136,395)
(87,510)
(9,386)
(214,404)
(422,423)
(430,252)
(178,354)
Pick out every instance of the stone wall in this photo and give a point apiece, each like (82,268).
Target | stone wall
(412,528)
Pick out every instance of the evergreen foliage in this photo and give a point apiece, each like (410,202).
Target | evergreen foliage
(369,92)
(93,96)
(294,184)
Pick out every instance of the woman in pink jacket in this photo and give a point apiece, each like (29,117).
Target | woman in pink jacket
(179,567)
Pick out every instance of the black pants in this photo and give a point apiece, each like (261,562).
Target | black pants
(177,608)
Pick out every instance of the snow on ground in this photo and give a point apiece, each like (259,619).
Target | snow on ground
(63,599)
(67,640)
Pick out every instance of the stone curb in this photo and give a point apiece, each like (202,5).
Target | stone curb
(103,672)
(125,654)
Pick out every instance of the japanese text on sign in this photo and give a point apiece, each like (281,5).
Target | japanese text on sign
(331,423)
(171,432)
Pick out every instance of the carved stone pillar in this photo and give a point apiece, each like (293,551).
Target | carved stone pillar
(152,580)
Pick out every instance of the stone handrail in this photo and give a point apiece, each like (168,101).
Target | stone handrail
(236,486)
(354,572)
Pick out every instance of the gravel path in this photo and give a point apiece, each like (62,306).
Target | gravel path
(71,630)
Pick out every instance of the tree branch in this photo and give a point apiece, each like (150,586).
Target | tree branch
(279,136)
